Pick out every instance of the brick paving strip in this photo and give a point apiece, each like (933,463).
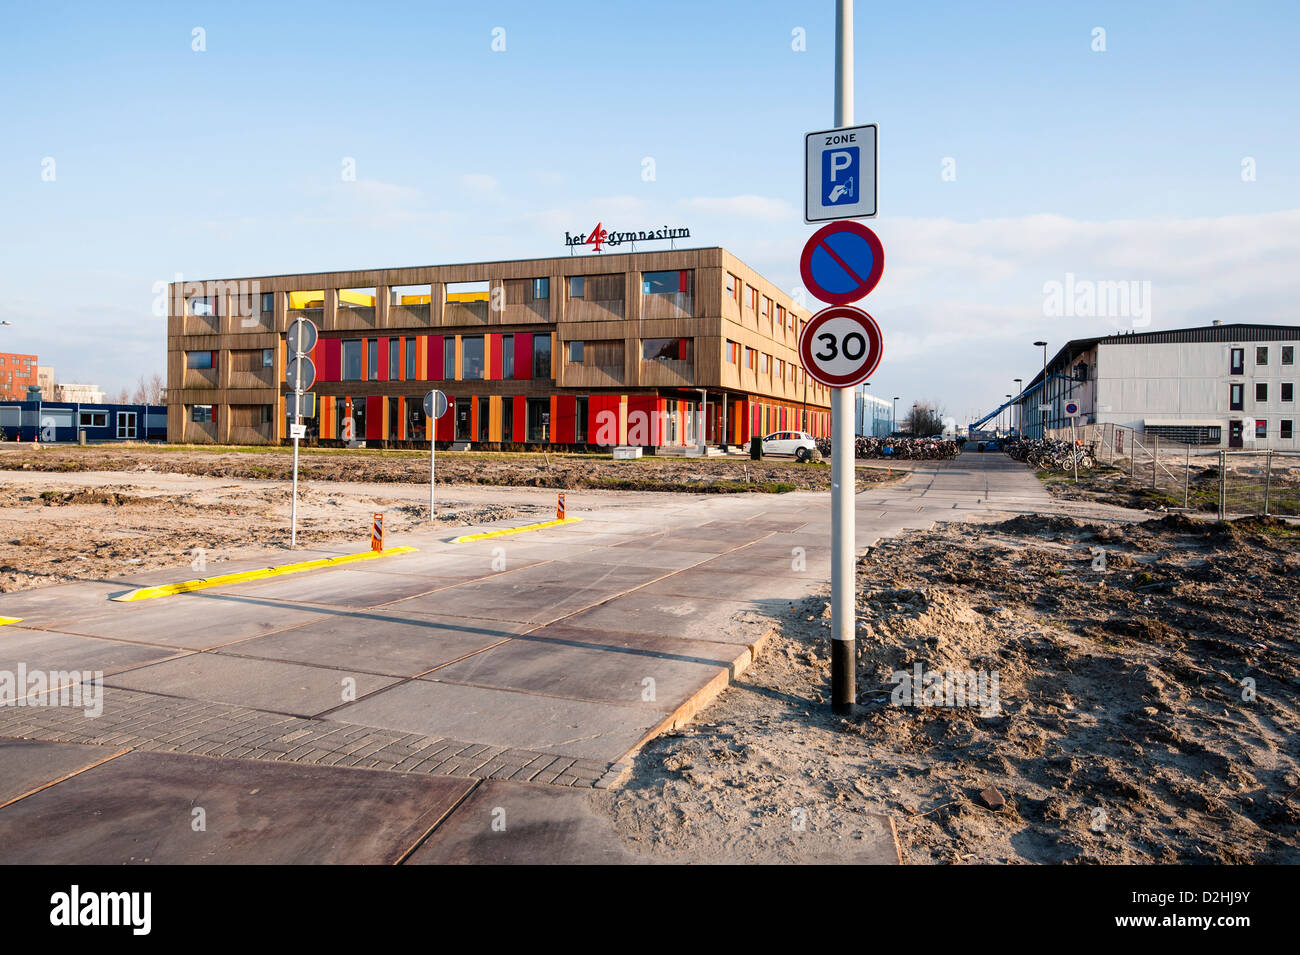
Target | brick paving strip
(160,724)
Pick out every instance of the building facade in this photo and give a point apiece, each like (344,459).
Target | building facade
(17,373)
(651,348)
(79,394)
(874,417)
(1219,385)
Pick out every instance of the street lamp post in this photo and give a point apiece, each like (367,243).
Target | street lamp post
(1020,394)
(1043,400)
(894,425)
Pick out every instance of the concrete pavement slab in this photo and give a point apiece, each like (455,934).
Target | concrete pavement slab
(46,606)
(653,673)
(27,765)
(48,650)
(499,600)
(504,718)
(140,808)
(583,574)
(737,587)
(195,621)
(374,641)
(261,684)
(687,618)
(742,562)
(349,588)
(505,823)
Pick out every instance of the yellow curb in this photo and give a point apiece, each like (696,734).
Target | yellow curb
(514,530)
(8,620)
(186,586)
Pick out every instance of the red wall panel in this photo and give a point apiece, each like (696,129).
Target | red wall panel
(374,417)
(566,420)
(494,357)
(329,363)
(520,423)
(381,365)
(447,423)
(435,361)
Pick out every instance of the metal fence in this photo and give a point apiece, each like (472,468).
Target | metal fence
(1226,482)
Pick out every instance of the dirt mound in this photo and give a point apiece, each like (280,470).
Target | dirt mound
(1053,524)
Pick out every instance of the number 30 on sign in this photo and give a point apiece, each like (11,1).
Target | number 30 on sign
(840,346)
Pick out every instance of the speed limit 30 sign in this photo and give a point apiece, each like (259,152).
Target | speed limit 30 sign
(840,346)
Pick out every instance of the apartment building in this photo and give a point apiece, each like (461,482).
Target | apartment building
(648,348)
(17,372)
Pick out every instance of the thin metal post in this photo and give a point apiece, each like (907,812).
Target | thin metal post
(1155,459)
(297,421)
(1268,478)
(1187,477)
(433,440)
(1223,485)
(1074,450)
(843,482)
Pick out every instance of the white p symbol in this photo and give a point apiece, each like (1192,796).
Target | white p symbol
(839,160)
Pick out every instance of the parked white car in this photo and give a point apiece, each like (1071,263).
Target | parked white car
(799,443)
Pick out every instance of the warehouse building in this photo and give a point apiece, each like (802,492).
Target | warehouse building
(1229,385)
(636,348)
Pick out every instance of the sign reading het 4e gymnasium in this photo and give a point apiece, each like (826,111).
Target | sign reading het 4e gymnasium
(840,173)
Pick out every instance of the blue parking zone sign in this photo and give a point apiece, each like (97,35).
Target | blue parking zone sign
(840,173)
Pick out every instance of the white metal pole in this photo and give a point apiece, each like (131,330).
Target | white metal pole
(433,441)
(843,483)
(297,420)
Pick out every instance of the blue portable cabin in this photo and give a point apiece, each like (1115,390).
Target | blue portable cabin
(61,421)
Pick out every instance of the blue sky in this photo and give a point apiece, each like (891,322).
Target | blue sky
(1116,165)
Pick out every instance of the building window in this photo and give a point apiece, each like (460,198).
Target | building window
(126,425)
(351,359)
(731,286)
(663,283)
(268,303)
(372,359)
(767,306)
(753,298)
(580,425)
(1261,428)
(1235,398)
(1288,429)
(1288,354)
(1261,355)
(411,357)
(99,419)
(538,422)
(471,361)
(1261,391)
(507,418)
(780,315)
(203,305)
(449,357)
(198,359)
(664,349)
(766,366)
(199,413)
(575,352)
(542,356)
(541,288)
(507,356)
(1237,361)
(750,360)
(1288,391)
(577,286)
(394,360)
(268,357)
(730,354)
